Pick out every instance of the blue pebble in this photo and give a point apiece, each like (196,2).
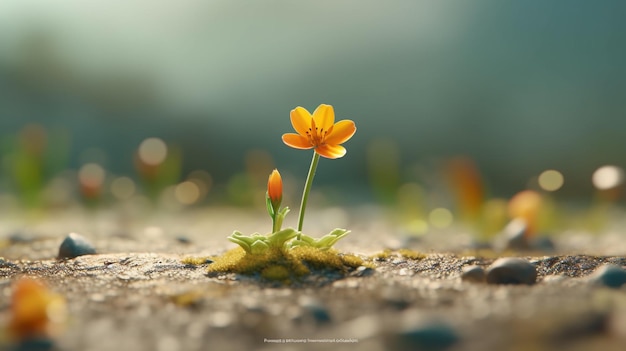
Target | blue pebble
(609,275)
(75,245)
(433,337)
(316,310)
(35,344)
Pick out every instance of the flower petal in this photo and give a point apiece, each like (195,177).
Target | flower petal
(300,120)
(342,132)
(296,141)
(331,151)
(324,116)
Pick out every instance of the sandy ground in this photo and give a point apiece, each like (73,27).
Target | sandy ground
(135,294)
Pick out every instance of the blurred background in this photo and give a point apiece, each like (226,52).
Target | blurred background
(455,102)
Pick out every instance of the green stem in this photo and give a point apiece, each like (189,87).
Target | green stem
(274,230)
(307,189)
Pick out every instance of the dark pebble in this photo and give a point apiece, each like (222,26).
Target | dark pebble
(609,275)
(432,337)
(363,271)
(20,238)
(475,274)
(183,239)
(316,310)
(75,245)
(39,344)
(511,270)
(513,237)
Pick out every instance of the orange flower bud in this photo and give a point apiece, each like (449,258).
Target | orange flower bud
(275,189)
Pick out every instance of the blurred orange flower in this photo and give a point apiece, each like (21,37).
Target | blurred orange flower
(319,131)
(34,309)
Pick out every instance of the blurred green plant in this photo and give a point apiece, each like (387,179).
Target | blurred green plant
(158,165)
(383,165)
(32,158)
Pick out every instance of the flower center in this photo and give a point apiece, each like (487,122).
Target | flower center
(316,135)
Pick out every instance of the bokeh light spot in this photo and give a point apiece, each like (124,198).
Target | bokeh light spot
(187,192)
(418,226)
(607,177)
(551,180)
(440,218)
(203,180)
(153,151)
(91,174)
(123,188)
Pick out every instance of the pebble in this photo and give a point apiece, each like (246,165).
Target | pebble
(183,239)
(513,237)
(315,309)
(75,245)
(35,344)
(21,238)
(474,274)
(511,270)
(363,271)
(609,275)
(436,336)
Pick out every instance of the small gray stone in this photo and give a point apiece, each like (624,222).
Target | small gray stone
(315,309)
(513,237)
(511,270)
(21,238)
(609,275)
(363,271)
(75,245)
(475,274)
(183,239)
(35,344)
(432,337)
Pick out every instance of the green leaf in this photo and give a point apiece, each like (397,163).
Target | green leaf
(323,243)
(268,204)
(279,238)
(239,239)
(259,247)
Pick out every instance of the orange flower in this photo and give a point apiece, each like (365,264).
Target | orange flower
(34,309)
(319,132)
(275,189)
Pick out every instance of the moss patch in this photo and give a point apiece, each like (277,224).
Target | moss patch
(284,265)
(196,261)
(275,272)
(383,255)
(406,253)
(414,255)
